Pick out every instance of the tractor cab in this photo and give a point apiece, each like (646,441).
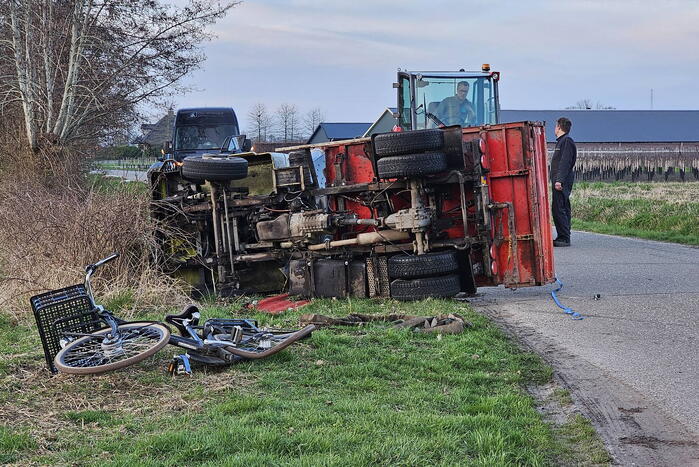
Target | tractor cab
(433,99)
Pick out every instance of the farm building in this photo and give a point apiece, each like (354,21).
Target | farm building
(635,144)
(614,144)
(384,123)
(337,131)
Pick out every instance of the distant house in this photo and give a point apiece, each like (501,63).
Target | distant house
(337,131)
(384,123)
(155,134)
(328,131)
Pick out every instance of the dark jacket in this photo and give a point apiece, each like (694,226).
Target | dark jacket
(563,161)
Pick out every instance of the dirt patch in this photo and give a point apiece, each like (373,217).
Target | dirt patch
(50,405)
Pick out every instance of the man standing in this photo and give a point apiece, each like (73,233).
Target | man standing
(562,177)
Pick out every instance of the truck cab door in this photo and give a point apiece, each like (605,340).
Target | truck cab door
(405,101)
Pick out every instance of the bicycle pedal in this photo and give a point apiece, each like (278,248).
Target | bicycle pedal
(179,365)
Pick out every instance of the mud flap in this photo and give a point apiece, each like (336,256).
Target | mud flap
(468,281)
(327,278)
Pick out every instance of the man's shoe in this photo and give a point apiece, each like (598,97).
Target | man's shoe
(558,242)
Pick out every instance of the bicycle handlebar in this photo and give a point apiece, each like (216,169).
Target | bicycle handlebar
(92,267)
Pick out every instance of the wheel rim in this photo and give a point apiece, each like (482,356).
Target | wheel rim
(98,352)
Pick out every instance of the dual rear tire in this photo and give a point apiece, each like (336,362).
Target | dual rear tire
(410,154)
(413,154)
(422,276)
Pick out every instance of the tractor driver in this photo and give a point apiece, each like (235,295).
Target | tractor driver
(457,110)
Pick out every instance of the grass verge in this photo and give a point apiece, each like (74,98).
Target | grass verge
(104,184)
(124,164)
(347,396)
(587,448)
(655,211)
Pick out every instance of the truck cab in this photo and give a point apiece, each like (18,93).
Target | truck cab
(196,132)
(425,98)
(202,130)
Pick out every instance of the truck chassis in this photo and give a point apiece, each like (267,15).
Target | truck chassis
(407,215)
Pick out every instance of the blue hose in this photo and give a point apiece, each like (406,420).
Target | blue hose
(566,310)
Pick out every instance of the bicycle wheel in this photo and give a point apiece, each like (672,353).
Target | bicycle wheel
(92,354)
(268,344)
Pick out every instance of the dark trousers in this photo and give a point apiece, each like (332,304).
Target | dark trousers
(560,210)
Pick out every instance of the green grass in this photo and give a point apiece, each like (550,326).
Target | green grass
(17,347)
(346,396)
(13,444)
(562,396)
(125,164)
(587,447)
(104,184)
(659,211)
(99,417)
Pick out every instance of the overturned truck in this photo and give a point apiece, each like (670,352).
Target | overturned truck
(430,209)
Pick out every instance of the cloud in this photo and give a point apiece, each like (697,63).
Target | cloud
(342,56)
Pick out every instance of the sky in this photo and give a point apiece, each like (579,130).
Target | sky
(342,56)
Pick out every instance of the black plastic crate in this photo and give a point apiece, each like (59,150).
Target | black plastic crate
(57,312)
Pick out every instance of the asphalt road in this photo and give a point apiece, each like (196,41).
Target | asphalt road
(636,347)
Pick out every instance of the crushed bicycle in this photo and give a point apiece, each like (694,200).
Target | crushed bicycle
(80,336)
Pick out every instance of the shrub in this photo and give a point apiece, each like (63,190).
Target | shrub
(54,229)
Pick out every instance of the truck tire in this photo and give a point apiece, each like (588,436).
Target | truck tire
(408,142)
(411,165)
(417,289)
(431,264)
(218,169)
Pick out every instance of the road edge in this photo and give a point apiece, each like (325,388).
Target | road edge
(633,429)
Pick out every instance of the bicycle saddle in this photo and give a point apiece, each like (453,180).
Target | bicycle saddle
(187,313)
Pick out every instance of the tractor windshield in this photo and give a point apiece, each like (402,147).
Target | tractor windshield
(454,101)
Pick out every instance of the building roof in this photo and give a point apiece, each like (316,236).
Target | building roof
(612,126)
(337,131)
(156,134)
(344,130)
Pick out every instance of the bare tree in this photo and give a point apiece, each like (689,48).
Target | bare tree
(288,122)
(312,119)
(260,122)
(601,106)
(587,104)
(79,67)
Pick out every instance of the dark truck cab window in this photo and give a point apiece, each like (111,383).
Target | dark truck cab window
(201,129)
(193,137)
